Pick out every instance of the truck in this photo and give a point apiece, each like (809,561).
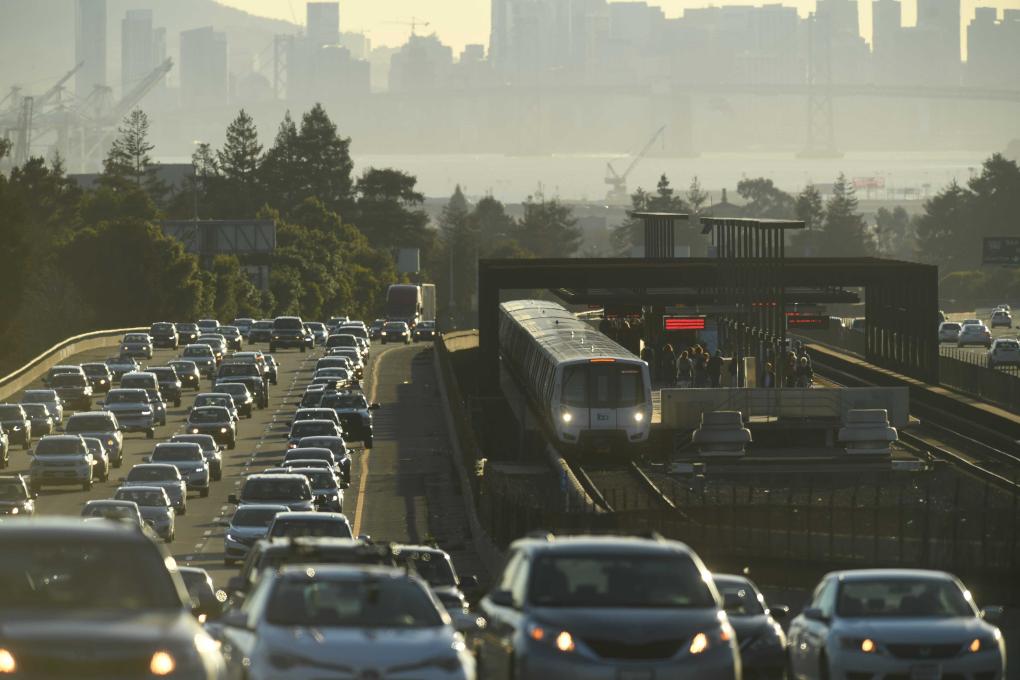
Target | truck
(411,302)
(428,301)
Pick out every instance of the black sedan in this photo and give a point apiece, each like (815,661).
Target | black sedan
(214,421)
(761,639)
(355,414)
(426,330)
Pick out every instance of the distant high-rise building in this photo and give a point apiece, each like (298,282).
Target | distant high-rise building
(90,46)
(886,21)
(993,48)
(358,44)
(323,23)
(943,18)
(203,68)
(137,47)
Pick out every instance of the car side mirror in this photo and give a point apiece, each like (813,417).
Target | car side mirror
(502,598)
(815,614)
(992,614)
(779,612)
(232,499)
(374,406)
(147,459)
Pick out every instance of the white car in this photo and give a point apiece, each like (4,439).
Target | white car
(949,331)
(1004,352)
(974,334)
(899,623)
(1001,318)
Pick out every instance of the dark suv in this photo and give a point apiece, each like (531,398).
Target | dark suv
(16,424)
(355,414)
(15,498)
(74,389)
(164,334)
(169,383)
(96,599)
(289,331)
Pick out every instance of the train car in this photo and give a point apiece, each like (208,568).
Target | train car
(591,392)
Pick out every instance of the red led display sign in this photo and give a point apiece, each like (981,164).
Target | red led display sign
(683,323)
(808,321)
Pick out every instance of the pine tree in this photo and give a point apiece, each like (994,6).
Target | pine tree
(810,208)
(281,167)
(239,161)
(326,164)
(846,233)
(460,237)
(128,162)
(548,228)
(696,196)
(944,236)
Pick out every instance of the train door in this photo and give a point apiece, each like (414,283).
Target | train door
(602,390)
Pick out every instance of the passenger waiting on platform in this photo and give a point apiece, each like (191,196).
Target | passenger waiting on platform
(770,376)
(667,365)
(648,356)
(790,370)
(684,370)
(700,363)
(736,370)
(714,368)
(805,376)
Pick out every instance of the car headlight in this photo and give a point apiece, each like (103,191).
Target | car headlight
(702,642)
(194,430)
(864,645)
(223,430)
(7,662)
(230,537)
(162,663)
(14,511)
(566,417)
(639,417)
(983,644)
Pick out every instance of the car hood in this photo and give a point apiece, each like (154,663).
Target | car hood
(385,650)
(928,631)
(247,532)
(154,512)
(169,485)
(14,504)
(89,631)
(632,625)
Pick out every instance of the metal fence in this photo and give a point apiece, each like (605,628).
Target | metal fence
(978,358)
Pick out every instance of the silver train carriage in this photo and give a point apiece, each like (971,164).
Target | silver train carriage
(590,390)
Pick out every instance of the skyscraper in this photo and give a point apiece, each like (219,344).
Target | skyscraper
(137,47)
(886,21)
(90,46)
(203,68)
(323,23)
(943,18)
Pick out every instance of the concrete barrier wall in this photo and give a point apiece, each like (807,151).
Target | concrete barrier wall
(23,377)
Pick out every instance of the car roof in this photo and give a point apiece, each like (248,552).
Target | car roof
(120,503)
(264,506)
(586,544)
(315,516)
(315,420)
(731,578)
(852,575)
(160,466)
(53,526)
(275,475)
(61,437)
(346,571)
(411,547)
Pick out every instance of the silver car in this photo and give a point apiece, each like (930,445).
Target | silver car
(54,404)
(188,459)
(157,510)
(164,476)
(62,459)
(380,620)
(136,345)
(124,511)
(101,457)
(104,426)
(203,357)
(149,382)
(249,524)
(210,449)
(133,409)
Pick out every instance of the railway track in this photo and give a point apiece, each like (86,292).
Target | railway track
(619,487)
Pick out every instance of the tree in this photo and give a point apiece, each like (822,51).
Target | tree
(325,162)
(281,168)
(234,295)
(128,163)
(846,233)
(461,243)
(995,205)
(630,234)
(494,224)
(810,209)
(548,228)
(765,200)
(696,196)
(389,210)
(943,231)
(239,161)
(894,232)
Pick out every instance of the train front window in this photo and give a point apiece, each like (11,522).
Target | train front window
(575,386)
(607,385)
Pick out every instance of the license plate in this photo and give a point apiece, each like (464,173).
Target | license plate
(929,671)
(635,674)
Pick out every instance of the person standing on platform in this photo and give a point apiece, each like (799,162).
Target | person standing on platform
(714,368)
(648,356)
(667,365)
(684,370)
(700,362)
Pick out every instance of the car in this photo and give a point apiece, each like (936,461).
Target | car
(261,331)
(550,606)
(164,334)
(340,462)
(318,331)
(251,357)
(203,594)
(170,384)
(1004,307)
(217,399)
(425,330)
(312,428)
(61,369)
(61,459)
(73,389)
(316,414)
(54,404)
(190,462)
(120,365)
(909,623)
(759,633)
(289,331)
(1003,352)
(375,328)
(210,449)
(100,455)
(202,356)
(334,321)
(354,355)
(342,374)
(16,424)
(974,334)
(249,374)
(244,325)
(216,342)
(355,414)
(187,333)
(436,568)
(121,511)
(949,331)
(249,524)
(364,612)
(344,340)
(967,321)
(15,498)
(292,524)
(99,375)
(136,345)
(208,326)
(334,362)
(188,373)
(40,419)
(145,380)
(313,394)
(239,394)
(105,601)
(395,331)
(134,411)
(163,475)
(232,336)
(156,508)
(327,490)
(1001,317)
(104,426)
(215,421)
(298,464)
(5,450)
(272,368)
(291,490)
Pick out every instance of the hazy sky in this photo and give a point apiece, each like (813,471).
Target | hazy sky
(458,22)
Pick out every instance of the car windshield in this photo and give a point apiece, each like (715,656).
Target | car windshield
(183,365)
(12,490)
(121,361)
(743,600)
(238,368)
(205,441)
(271,489)
(233,389)
(320,479)
(901,598)
(136,338)
(95,369)
(71,446)
(68,380)
(36,410)
(311,527)
(207,415)
(162,327)
(163,373)
(72,573)
(973,328)
(89,423)
(140,473)
(226,402)
(262,325)
(8,412)
(394,327)
(146,498)
(433,567)
(345,401)
(175,453)
(305,428)
(1007,344)
(202,351)
(130,397)
(288,324)
(349,603)
(254,517)
(621,580)
(951,326)
(109,511)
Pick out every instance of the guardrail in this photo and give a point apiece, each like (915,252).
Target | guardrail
(18,380)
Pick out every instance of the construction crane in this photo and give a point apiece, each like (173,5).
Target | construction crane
(414,23)
(617,193)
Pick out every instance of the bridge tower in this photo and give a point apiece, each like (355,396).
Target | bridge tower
(821,128)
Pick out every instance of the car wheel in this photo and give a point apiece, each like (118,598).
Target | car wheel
(303,349)
(183,510)
(204,493)
(150,433)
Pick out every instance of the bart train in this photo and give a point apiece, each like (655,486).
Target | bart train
(590,391)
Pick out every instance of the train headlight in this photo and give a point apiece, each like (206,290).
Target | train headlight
(639,417)
(566,417)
